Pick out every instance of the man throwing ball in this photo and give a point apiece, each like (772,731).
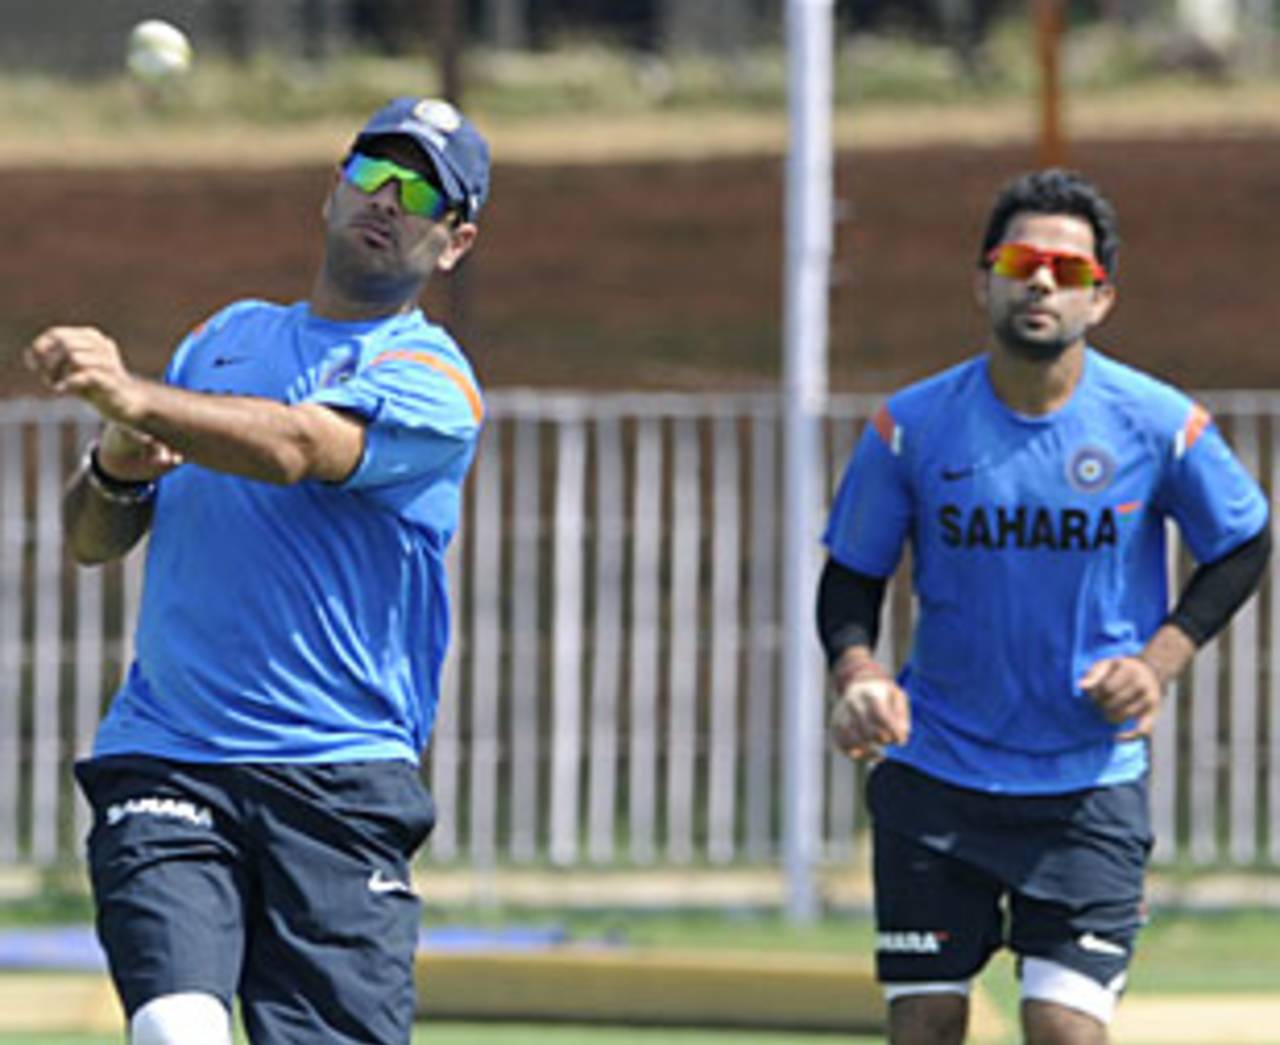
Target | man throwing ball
(1033,483)
(255,782)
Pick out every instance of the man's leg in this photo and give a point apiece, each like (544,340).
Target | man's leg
(1075,919)
(1063,1007)
(938,919)
(931,1014)
(332,940)
(169,897)
(1047,1023)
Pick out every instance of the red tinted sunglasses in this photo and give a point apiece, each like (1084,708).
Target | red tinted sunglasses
(1022,261)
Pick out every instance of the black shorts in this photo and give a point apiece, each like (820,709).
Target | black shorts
(960,873)
(287,885)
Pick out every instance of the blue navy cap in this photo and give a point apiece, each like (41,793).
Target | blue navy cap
(458,151)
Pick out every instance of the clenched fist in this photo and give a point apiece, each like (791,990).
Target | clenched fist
(1124,689)
(85,363)
(870,710)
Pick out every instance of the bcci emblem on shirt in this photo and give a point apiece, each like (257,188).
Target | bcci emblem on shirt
(1091,469)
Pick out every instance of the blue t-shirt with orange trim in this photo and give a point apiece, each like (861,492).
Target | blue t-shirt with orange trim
(304,623)
(1038,548)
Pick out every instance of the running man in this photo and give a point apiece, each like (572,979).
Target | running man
(1033,483)
(255,782)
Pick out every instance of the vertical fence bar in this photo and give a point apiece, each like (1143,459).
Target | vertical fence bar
(1243,636)
(132,570)
(90,651)
(1243,751)
(726,599)
(566,641)
(805,793)
(606,644)
(445,747)
(1164,740)
(46,747)
(523,681)
(682,676)
(485,646)
(762,686)
(643,679)
(1204,756)
(13,528)
(841,772)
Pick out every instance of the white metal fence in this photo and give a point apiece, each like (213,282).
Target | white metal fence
(613,694)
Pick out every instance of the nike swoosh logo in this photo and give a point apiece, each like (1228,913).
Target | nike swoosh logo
(951,474)
(378,883)
(229,360)
(1096,944)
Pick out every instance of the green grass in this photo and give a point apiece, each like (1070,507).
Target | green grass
(705,930)
(1222,952)
(1178,953)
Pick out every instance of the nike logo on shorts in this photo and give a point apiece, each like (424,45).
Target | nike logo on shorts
(1096,944)
(378,883)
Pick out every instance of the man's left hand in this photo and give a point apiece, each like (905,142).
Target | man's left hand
(1124,689)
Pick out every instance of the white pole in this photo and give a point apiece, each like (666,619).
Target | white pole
(807,280)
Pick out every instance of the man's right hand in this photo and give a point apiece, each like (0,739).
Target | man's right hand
(132,456)
(870,710)
(85,363)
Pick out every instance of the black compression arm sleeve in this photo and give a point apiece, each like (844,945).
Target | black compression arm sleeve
(848,609)
(1217,589)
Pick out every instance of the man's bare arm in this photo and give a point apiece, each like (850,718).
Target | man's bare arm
(100,522)
(257,438)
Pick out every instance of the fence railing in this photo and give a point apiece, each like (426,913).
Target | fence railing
(613,694)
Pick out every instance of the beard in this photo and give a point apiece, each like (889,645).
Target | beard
(1033,346)
(363,274)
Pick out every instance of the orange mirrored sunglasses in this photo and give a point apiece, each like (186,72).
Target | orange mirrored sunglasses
(1021,261)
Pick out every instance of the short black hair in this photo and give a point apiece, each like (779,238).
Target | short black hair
(1056,191)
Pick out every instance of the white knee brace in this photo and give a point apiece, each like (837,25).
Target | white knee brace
(893,991)
(189,1018)
(1044,980)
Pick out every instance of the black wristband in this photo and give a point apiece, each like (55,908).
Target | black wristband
(124,491)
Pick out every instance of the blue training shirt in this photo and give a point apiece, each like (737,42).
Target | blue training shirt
(304,623)
(1038,549)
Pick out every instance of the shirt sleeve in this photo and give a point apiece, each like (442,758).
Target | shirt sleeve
(1216,503)
(874,506)
(422,412)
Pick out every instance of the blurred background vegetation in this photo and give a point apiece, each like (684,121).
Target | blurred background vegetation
(285,61)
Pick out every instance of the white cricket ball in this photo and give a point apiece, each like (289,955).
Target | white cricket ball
(158,50)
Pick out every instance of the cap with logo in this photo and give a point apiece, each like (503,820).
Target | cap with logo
(458,151)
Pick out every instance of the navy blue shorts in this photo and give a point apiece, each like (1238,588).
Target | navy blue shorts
(287,885)
(960,873)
